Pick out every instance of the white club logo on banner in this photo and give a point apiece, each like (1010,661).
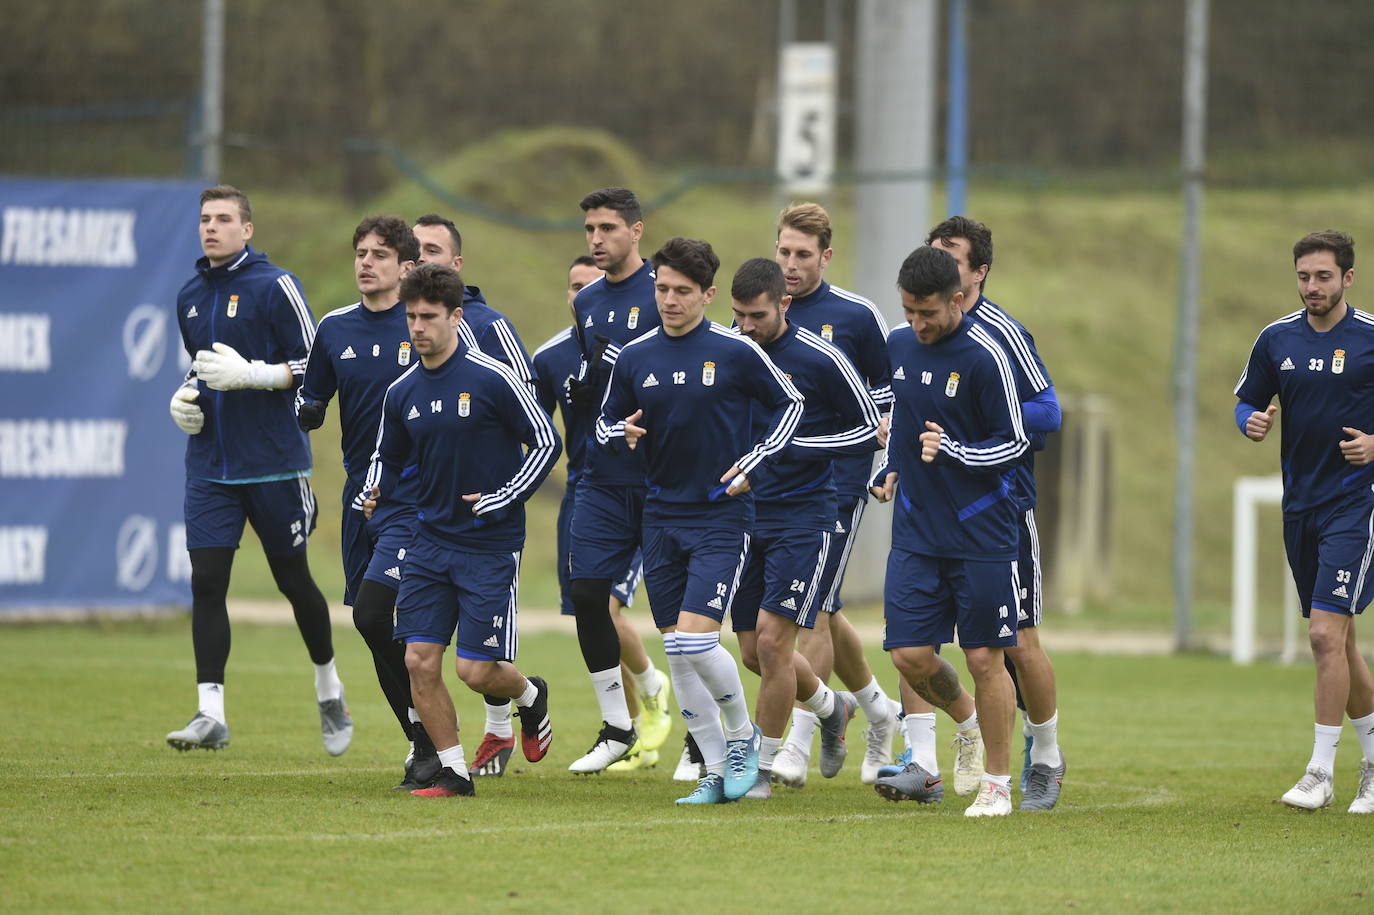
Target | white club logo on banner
(145,341)
(136,553)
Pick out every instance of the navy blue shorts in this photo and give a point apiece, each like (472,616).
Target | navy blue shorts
(926,598)
(445,589)
(1028,564)
(692,569)
(604,531)
(374,550)
(841,545)
(782,575)
(1329,550)
(282,512)
(622,588)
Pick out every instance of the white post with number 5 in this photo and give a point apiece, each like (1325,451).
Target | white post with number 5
(806,117)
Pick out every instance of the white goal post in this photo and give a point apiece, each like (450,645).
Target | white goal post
(1249,494)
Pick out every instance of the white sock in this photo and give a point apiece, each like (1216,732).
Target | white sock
(1044,741)
(453,759)
(211,700)
(768,751)
(803,733)
(413,715)
(610,695)
(1364,729)
(875,703)
(1002,781)
(498,719)
(649,681)
(699,710)
(822,702)
(327,683)
(531,693)
(717,669)
(920,736)
(1328,737)
(968,725)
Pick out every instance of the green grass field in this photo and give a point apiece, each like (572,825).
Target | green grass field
(1174,767)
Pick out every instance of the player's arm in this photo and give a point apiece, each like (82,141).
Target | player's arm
(523,415)
(617,428)
(998,408)
(318,385)
(1255,391)
(883,483)
(293,330)
(776,393)
(393,448)
(502,342)
(859,417)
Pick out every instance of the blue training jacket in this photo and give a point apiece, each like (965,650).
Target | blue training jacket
(260,311)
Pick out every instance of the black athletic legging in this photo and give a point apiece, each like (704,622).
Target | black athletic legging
(373,606)
(596,635)
(210,617)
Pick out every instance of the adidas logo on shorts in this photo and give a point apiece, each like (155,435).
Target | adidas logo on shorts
(1340,592)
(394,572)
(1005,632)
(491,642)
(348,354)
(715,604)
(789,604)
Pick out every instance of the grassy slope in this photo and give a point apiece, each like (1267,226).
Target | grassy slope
(1093,274)
(1168,803)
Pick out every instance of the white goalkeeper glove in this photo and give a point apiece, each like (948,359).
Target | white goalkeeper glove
(185,412)
(223,369)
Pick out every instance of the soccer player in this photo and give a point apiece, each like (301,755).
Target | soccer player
(685,395)
(248,327)
(955,429)
(483,328)
(608,513)
(358,351)
(794,508)
(461,417)
(855,326)
(970,244)
(1319,362)
(557,364)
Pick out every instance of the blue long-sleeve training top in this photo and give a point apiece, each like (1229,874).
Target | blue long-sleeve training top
(839,420)
(856,327)
(465,423)
(698,392)
(616,312)
(959,506)
(257,308)
(486,329)
(1324,383)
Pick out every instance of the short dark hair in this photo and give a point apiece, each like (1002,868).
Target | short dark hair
(1334,240)
(434,219)
(438,283)
(978,236)
(620,199)
(758,276)
(692,258)
(808,219)
(394,232)
(229,192)
(583,260)
(929,271)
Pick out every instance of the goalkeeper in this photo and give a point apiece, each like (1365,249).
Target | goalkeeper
(249,330)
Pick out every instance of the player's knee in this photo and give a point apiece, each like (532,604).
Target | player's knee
(916,663)
(372,612)
(292,576)
(210,573)
(476,675)
(424,667)
(985,663)
(590,597)
(1326,642)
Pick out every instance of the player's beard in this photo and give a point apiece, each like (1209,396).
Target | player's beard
(1325,306)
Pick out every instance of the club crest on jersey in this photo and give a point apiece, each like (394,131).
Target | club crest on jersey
(708,373)
(828,333)
(633,320)
(465,404)
(233,306)
(1338,362)
(403,354)
(952,385)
